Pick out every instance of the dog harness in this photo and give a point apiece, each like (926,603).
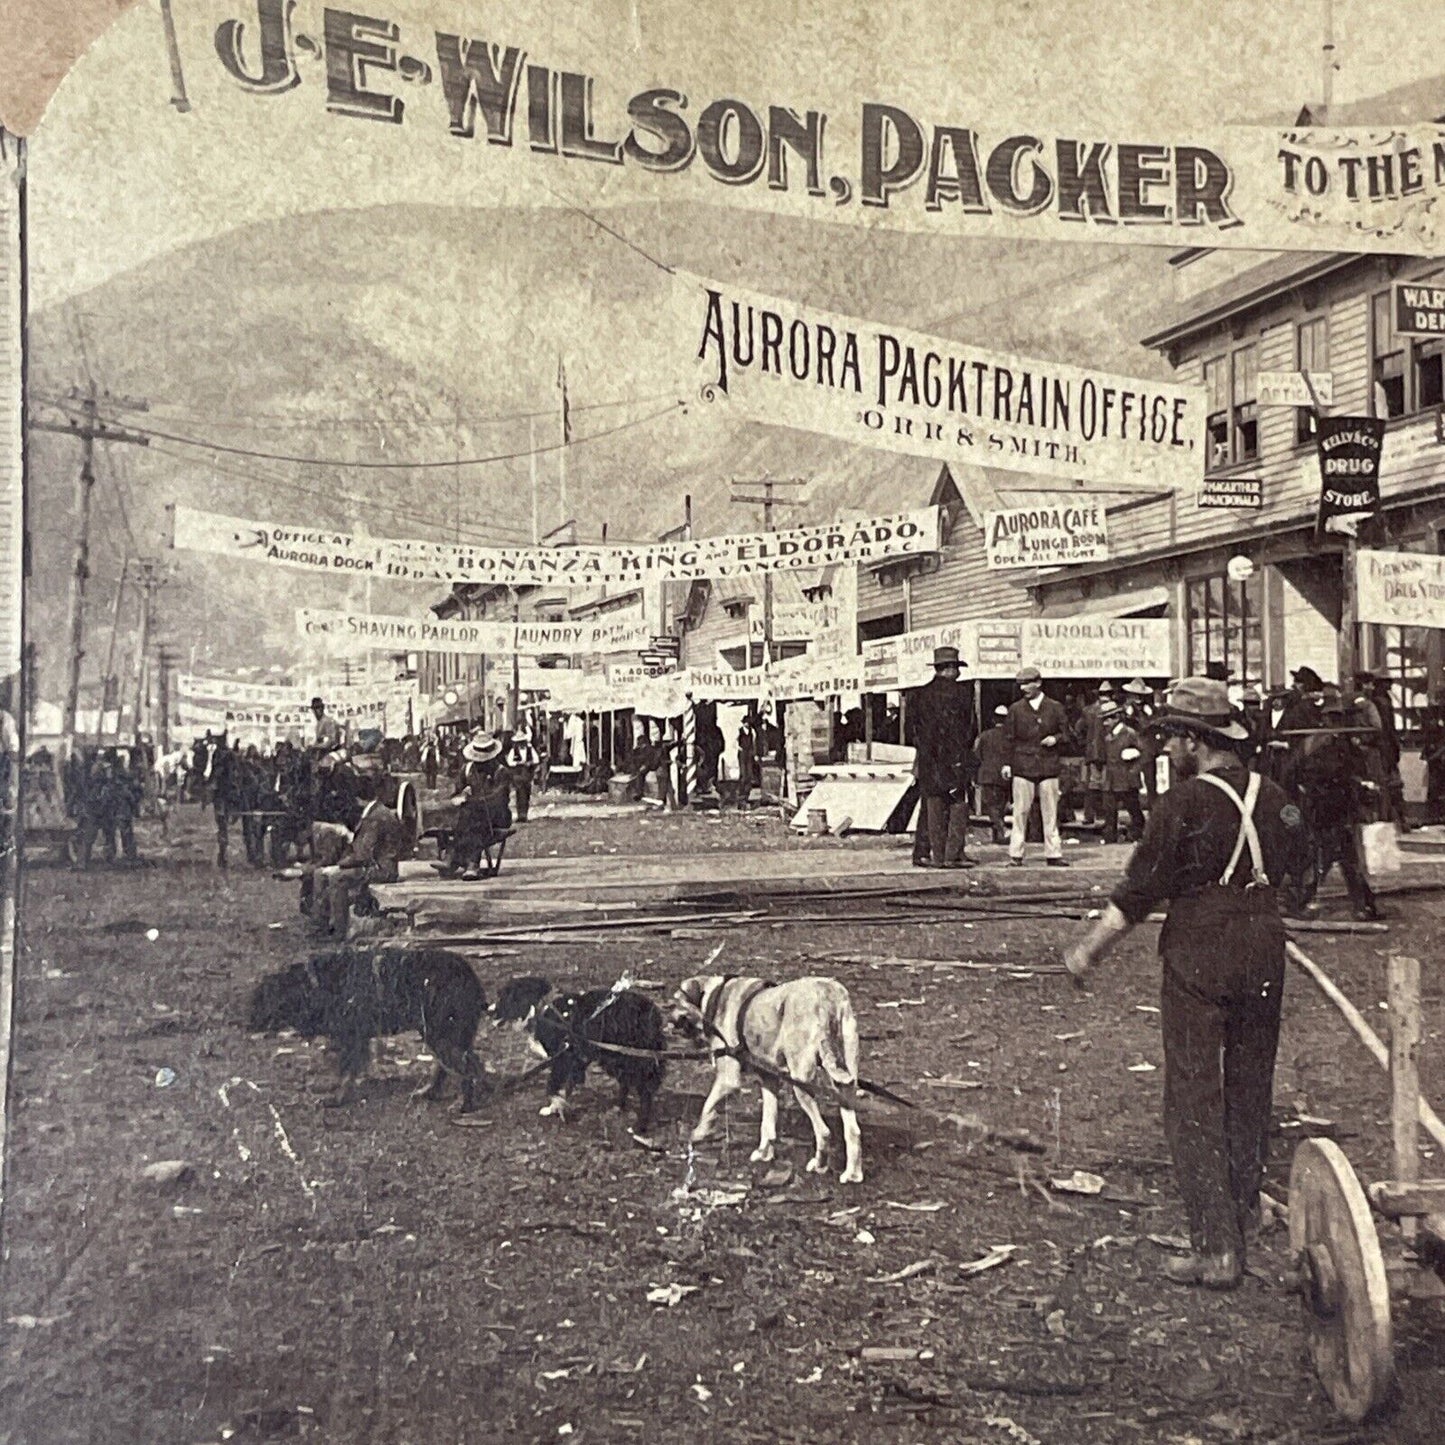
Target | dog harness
(1248,834)
(738,1049)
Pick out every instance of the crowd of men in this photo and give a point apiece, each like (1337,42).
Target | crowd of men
(1335,752)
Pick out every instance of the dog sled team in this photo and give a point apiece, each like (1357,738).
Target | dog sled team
(801,1035)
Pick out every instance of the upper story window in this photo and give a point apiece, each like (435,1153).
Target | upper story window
(1312,355)
(1387,359)
(1407,373)
(1230,382)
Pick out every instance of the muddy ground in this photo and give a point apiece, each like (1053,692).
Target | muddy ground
(381,1273)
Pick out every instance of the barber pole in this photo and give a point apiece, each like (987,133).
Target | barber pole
(689,753)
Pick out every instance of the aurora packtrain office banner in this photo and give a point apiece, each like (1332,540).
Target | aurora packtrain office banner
(462,101)
(776,361)
(344,554)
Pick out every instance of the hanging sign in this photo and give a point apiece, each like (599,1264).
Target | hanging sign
(787,364)
(423,634)
(867,539)
(428,99)
(1419,309)
(1400,589)
(1349,450)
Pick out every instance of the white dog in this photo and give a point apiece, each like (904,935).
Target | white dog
(794,1028)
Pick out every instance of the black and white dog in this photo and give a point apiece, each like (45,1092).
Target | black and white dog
(573,1030)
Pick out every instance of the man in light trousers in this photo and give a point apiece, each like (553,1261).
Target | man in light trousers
(1034,730)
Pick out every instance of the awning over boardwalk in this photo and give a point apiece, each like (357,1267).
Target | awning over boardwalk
(1118,604)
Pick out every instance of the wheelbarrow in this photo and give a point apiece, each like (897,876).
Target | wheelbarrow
(1358,1250)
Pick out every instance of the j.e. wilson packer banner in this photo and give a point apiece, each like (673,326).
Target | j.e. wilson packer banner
(778,361)
(497,109)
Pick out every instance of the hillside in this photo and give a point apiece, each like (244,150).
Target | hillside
(362,335)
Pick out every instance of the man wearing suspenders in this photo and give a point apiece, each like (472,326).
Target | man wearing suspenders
(1217,845)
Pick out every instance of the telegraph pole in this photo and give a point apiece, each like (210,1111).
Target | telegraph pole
(86,424)
(767,502)
(149,580)
(108,682)
(166,662)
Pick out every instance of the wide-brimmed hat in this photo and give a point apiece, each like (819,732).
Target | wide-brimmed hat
(1308,678)
(1138,688)
(1000,711)
(317,702)
(1108,707)
(1028,674)
(481,748)
(947,657)
(1104,688)
(1201,705)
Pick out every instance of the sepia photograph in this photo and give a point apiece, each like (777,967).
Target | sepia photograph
(530,536)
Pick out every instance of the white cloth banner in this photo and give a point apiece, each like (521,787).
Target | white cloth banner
(778,361)
(800,548)
(1047,536)
(667,115)
(428,634)
(1400,589)
(996,648)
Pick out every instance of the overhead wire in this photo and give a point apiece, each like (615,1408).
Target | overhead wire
(342,464)
(410,515)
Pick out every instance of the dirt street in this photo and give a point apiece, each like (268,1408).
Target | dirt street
(382,1272)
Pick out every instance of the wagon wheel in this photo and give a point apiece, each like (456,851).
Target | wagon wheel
(1346,1293)
(409,811)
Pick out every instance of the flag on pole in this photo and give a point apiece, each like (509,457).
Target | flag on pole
(566,414)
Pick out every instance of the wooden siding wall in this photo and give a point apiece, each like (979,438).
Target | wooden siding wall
(1413,460)
(964,588)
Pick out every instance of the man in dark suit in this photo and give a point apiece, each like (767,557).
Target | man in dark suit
(373,857)
(1035,729)
(991,750)
(942,713)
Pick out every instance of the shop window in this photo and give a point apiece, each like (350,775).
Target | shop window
(1225,622)
(1230,383)
(1312,355)
(1387,358)
(1404,654)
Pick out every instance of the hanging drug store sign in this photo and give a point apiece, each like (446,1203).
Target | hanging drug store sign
(1349,451)
(1047,536)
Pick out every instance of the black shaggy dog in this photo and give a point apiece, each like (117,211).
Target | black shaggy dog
(569,1026)
(350,996)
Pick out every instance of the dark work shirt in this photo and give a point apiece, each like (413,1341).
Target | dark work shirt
(1191,833)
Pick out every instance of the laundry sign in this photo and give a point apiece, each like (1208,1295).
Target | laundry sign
(1049,536)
